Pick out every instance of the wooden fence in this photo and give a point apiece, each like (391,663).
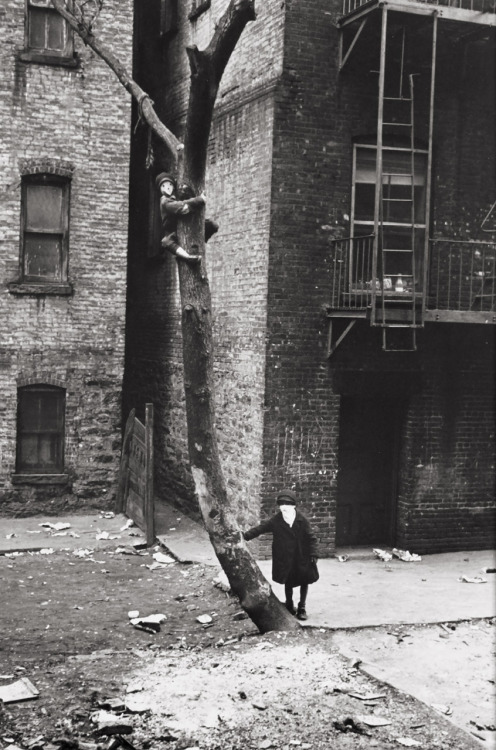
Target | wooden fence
(135,490)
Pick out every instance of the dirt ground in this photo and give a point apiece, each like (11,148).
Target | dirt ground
(64,625)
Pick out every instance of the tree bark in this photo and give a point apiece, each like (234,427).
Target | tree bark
(217,508)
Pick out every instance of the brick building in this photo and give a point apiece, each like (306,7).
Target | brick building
(352,172)
(65,129)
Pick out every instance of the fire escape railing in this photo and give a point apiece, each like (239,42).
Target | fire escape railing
(478,6)
(462,275)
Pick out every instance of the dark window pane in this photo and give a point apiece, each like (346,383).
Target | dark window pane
(40,427)
(56,32)
(44,208)
(37,28)
(364,202)
(42,253)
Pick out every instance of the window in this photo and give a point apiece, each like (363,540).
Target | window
(45,229)
(48,36)
(401,222)
(40,430)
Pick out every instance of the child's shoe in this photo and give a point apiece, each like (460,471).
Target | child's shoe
(301,613)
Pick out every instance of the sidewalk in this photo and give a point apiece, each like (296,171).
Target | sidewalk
(362,592)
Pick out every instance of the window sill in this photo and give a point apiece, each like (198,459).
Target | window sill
(39,479)
(29,56)
(26,287)
(201,8)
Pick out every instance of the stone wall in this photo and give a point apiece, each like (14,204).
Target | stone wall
(76,118)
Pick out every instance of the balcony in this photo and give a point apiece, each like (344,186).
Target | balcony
(461,283)
(475,11)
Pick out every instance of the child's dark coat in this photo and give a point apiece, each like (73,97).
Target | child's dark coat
(292,548)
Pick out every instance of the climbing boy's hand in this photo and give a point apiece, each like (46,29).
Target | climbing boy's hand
(314,560)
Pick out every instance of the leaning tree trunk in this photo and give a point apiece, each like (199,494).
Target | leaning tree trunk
(247,582)
(245,577)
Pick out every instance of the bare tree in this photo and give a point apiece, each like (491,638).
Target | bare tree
(207,67)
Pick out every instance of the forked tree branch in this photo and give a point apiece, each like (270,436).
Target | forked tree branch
(146,105)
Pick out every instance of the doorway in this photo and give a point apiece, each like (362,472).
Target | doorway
(368,468)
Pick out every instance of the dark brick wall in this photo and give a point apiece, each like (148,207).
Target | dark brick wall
(76,121)
(318,114)
(238,198)
(279,183)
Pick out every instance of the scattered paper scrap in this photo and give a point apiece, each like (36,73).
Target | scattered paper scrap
(446,710)
(22,690)
(374,721)
(133,613)
(150,624)
(367,696)
(204,619)
(129,524)
(407,742)
(47,551)
(161,558)
(475,579)
(383,555)
(343,558)
(222,582)
(106,535)
(10,536)
(406,556)
(60,526)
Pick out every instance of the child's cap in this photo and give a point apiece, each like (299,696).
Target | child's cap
(286,497)
(164,177)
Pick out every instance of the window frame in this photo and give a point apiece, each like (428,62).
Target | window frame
(56,469)
(45,179)
(367,226)
(64,56)
(370,223)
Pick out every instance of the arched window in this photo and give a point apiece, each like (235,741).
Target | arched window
(40,429)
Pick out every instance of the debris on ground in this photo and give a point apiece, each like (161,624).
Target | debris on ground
(222,582)
(150,624)
(374,721)
(475,579)
(343,558)
(442,709)
(383,555)
(109,723)
(204,619)
(408,742)
(160,557)
(405,555)
(22,690)
(349,724)
(128,525)
(60,526)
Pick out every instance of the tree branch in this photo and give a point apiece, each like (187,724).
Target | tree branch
(207,67)
(146,105)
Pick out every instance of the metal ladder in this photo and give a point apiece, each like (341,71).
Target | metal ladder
(397,304)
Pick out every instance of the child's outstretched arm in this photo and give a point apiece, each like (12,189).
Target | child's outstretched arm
(263,528)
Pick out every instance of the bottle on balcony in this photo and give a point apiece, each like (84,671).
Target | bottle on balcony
(398,287)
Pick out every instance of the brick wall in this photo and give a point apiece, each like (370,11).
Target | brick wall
(238,198)
(78,117)
(279,183)
(318,115)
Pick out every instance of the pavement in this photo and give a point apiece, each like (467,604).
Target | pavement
(362,592)
(350,597)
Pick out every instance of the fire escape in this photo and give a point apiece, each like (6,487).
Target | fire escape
(390,271)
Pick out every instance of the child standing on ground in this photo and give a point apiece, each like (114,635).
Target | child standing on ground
(294,550)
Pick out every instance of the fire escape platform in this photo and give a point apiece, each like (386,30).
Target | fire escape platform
(478,317)
(447,12)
